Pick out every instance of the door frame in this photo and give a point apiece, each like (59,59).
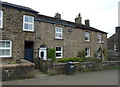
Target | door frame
(32,49)
(44,49)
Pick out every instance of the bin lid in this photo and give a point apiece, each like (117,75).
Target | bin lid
(70,63)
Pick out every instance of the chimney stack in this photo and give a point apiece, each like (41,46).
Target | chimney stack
(87,23)
(78,20)
(118,29)
(58,16)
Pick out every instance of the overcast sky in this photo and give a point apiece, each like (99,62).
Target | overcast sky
(103,14)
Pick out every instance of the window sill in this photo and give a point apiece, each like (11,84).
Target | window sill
(87,41)
(29,31)
(58,57)
(58,39)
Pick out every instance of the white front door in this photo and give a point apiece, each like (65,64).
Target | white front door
(43,53)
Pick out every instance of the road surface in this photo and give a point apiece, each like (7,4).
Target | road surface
(106,77)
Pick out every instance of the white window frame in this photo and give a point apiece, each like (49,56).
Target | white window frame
(28,23)
(56,32)
(5,48)
(87,34)
(99,36)
(59,51)
(1,19)
(88,52)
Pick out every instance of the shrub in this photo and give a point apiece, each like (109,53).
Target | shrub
(51,53)
(79,59)
(81,54)
(92,59)
(76,59)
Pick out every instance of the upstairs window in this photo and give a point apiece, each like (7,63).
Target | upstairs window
(87,52)
(5,48)
(59,51)
(28,23)
(58,32)
(1,19)
(87,36)
(99,38)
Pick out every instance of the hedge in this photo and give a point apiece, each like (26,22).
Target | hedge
(78,59)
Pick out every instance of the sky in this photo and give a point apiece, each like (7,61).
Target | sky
(103,14)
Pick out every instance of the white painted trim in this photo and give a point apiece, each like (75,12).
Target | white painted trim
(1,18)
(87,36)
(59,33)
(28,23)
(99,38)
(59,52)
(7,48)
(87,52)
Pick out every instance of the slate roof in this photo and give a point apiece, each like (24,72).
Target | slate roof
(51,19)
(18,7)
(66,23)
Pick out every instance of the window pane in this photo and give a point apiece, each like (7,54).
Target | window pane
(30,26)
(7,44)
(87,34)
(2,43)
(28,19)
(86,38)
(0,14)
(58,29)
(58,35)
(0,22)
(58,55)
(1,52)
(87,52)
(26,26)
(7,52)
(58,48)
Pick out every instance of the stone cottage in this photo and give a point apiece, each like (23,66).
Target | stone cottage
(26,34)
(114,44)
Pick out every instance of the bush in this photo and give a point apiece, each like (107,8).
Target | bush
(51,53)
(92,59)
(79,59)
(81,54)
(76,59)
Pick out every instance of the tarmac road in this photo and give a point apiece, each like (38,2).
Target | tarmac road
(106,77)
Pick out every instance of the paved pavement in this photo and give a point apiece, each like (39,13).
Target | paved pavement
(106,77)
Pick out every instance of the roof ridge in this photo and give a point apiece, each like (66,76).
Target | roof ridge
(18,6)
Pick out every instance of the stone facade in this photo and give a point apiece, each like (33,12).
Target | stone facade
(114,45)
(114,39)
(44,33)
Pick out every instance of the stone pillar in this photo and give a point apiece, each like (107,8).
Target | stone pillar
(50,66)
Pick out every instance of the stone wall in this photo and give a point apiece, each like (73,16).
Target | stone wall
(17,71)
(72,42)
(13,30)
(44,33)
(61,68)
